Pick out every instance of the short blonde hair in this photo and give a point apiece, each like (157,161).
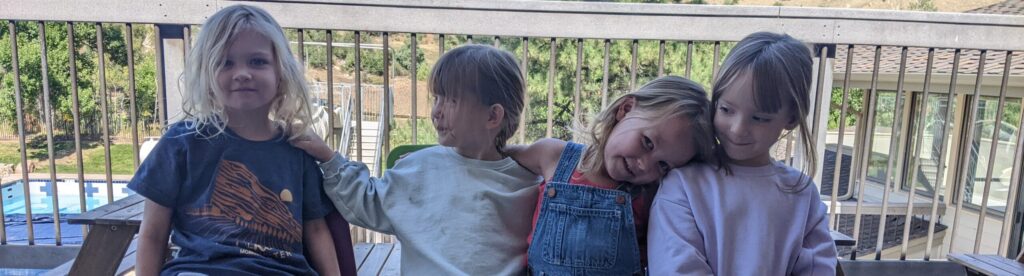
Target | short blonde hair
(662,98)
(290,107)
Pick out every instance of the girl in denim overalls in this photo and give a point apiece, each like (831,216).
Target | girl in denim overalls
(592,208)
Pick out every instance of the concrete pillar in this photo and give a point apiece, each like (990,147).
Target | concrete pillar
(820,129)
(173,53)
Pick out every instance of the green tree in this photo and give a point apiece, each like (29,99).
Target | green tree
(59,75)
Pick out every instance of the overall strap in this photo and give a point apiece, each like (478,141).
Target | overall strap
(567,163)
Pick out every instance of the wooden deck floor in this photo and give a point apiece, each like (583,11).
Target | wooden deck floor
(378,258)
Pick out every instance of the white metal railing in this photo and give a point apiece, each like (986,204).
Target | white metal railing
(969,38)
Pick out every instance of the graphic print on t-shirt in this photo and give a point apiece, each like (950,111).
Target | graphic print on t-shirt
(244,210)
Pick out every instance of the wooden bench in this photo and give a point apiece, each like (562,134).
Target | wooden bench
(111,236)
(896,267)
(988,264)
(378,258)
(109,248)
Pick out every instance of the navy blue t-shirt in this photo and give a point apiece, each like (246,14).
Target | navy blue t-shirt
(238,205)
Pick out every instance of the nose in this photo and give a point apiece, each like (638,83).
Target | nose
(436,112)
(738,127)
(642,162)
(241,75)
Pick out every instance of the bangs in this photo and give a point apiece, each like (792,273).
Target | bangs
(769,94)
(455,76)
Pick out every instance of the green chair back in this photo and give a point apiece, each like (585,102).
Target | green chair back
(400,151)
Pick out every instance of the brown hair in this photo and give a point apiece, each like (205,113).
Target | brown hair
(489,73)
(780,69)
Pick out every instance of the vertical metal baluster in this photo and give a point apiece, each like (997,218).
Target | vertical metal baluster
(661,58)
(187,37)
(976,100)
(992,153)
(524,66)
(386,145)
(689,59)
(160,104)
(440,44)
(940,176)
(77,123)
(632,66)
(579,84)
(131,97)
(714,62)
(604,80)
(497,42)
(21,132)
(386,112)
(842,135)
(917,153)
(871,99)
(332,138)
(893,150)
(48,114)
(819,93)
(469,39)
(1011,208)
(413,76)
(551,87)
(302,47)
(359,96)
(104,111)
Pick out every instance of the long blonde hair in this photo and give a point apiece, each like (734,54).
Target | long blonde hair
(290,108)
(780,69)
(662,98)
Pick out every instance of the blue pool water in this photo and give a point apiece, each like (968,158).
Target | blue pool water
(68,197)
(44,226)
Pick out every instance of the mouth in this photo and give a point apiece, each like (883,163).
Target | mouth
(244,90)
(738,144)
(625,164)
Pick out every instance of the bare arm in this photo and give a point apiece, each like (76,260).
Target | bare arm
(541,157)
(318,242)
(156,226)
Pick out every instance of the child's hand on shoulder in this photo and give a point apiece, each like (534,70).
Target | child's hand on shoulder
(311,143)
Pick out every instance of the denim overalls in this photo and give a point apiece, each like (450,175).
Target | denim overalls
(583,230)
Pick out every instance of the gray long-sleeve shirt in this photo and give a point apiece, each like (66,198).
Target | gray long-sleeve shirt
(453,215)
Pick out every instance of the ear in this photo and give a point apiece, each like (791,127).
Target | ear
(625,107)
(495,116)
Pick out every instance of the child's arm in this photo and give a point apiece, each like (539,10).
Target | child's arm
(674,244)
(818,255)
(318,242)
(348,184)
(153,239)
(541,157)
(312,144)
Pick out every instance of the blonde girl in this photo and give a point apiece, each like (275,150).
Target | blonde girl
(238,197)
(592,211)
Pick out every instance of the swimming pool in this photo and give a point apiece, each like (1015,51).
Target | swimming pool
(68,196)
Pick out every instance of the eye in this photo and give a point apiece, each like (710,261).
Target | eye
(227,64)
(258,62)
(648,144)
(724,109)
(762,119)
